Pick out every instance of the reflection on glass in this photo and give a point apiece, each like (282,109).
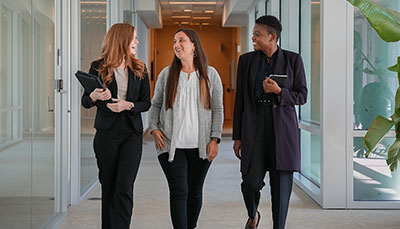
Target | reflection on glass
(373,179)
(43,153)
(310,51)
(26,127)
(311,156)
(15,151)
(374,85)
(93,29)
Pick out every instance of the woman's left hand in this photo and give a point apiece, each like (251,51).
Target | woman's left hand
(212,150)
(270,86)
(119,105)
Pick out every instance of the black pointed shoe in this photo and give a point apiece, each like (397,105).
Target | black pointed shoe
(247,226)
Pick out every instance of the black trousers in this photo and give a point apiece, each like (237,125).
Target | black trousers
(263,159)
(118,153)
(185,176)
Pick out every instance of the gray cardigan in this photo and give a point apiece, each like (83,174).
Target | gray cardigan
(210,121)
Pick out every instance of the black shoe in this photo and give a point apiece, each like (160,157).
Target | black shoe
(247,226)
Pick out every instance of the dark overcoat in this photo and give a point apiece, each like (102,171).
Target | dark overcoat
(294,92)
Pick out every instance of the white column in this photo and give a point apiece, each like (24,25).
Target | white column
(334,60)
(74,104)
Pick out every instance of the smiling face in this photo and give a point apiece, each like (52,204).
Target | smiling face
(134,43)
(262,39)
(183,46)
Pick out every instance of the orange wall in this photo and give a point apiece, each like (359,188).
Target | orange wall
(219,45)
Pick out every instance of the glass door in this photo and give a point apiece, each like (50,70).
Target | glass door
(27,113)
(93,29)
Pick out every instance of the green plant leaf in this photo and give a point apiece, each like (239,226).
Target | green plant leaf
(394,155)
(397,101)
(395,117)
(394,68)
(379,127)
(386,22)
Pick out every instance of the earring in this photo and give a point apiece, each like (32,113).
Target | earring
(194,53)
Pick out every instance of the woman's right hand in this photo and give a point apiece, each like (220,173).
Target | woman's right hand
(158,139)
(100,94)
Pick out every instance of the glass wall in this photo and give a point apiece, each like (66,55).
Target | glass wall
(309,113)
(93,29)
(310,50)
(311,156)
(27,120)
(374,91)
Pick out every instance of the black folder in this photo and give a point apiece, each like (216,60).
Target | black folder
(88,81)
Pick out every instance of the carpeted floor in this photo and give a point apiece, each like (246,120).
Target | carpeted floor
(223,206)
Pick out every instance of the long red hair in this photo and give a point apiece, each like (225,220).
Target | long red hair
(115,50)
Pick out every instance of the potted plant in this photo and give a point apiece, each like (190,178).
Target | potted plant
(386,23)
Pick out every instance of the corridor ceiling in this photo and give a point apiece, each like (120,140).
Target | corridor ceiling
(202,12)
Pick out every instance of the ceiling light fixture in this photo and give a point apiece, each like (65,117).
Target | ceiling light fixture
(201,18)
(93,2)
(180,17)
(208,11)
(193,3)
(187,10)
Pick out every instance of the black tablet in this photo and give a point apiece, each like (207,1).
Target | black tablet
(279,79)
(90,82)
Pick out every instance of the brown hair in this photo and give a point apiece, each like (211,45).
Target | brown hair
(200,63)
(115,49)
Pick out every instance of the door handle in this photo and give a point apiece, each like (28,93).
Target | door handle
(49,109)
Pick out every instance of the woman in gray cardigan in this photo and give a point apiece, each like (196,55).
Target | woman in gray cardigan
(186,117)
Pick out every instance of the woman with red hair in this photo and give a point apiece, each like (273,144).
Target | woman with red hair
(119,129)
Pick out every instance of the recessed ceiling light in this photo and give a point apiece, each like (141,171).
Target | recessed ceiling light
(208,11)
(193,3)
(201,18)
(187,10)
(185,23)
(93,2)
(205,23)
(180,17)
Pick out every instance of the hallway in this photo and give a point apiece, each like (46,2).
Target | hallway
(223,207)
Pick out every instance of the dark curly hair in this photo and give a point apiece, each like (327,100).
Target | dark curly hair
(272,23)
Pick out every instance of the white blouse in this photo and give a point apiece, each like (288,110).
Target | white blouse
(188,94)
(121,76)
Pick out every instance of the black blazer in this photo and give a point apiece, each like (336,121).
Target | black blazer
(294,92)
(138,93)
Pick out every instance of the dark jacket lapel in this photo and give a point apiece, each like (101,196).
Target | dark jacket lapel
(130,81)
(113,87)
(280,63)
(253,71)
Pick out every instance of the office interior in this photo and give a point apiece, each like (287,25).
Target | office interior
(47,162)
